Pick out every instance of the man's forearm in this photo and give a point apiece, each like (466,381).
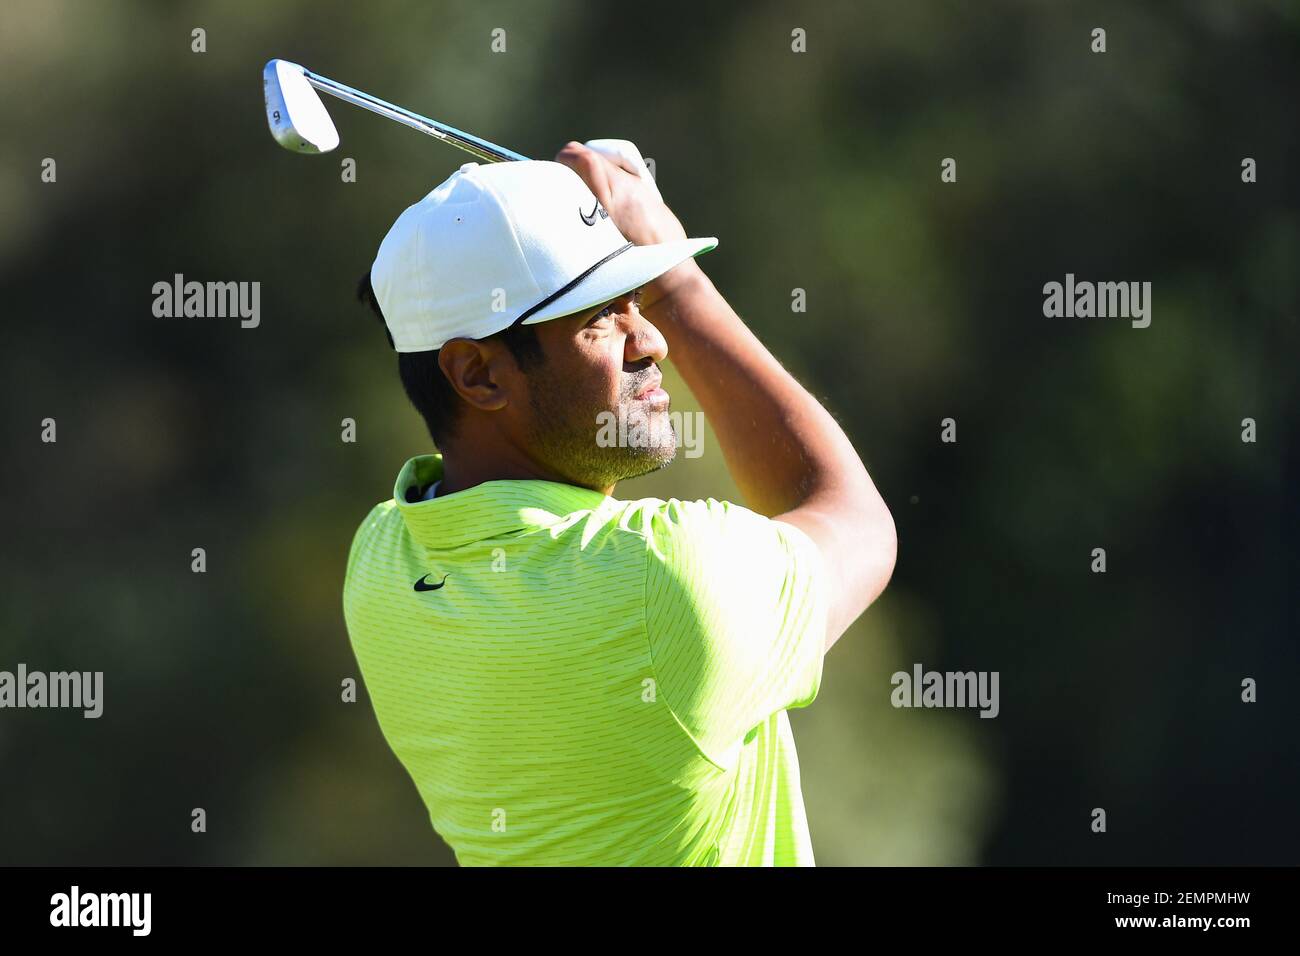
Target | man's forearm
(788,456)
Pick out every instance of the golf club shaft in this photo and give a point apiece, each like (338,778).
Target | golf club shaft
(448,134)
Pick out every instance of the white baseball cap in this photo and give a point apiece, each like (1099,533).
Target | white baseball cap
(502,243)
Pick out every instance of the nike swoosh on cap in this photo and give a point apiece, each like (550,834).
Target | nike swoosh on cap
(507,230)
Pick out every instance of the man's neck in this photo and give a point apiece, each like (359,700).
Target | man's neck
(460,473)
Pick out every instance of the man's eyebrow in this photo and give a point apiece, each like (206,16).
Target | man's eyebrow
(597,309)
(605,305)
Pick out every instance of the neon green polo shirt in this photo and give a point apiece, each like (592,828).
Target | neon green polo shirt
(572,679)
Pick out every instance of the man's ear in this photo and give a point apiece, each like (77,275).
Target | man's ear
(478,371)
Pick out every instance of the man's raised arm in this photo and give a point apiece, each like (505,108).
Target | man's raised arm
(788,456)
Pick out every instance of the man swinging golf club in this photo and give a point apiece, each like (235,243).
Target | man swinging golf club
(570,678)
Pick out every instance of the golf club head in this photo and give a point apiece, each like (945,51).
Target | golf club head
(297,117)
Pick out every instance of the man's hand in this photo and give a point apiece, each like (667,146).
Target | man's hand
(632,203)
(640,214)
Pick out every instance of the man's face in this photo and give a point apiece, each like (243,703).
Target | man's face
(597,413)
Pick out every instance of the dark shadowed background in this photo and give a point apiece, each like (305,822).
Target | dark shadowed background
(819,171)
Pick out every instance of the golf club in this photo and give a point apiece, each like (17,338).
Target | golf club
(300,123)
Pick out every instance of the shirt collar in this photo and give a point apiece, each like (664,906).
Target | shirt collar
(488,510)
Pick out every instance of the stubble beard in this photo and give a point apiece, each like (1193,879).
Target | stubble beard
(566,429)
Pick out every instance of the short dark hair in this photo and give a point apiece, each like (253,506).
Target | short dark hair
(422,377)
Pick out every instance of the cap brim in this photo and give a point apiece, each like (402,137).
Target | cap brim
(620,275)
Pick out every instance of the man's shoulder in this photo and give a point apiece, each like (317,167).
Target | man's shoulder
(663,530)
(702,523)
(656,521)
(649,515)
(694,547)
(379,521)
(382,514)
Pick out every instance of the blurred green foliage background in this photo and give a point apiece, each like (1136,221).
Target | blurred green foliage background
(818,171)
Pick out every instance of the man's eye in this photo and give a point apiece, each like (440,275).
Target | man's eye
(611,308)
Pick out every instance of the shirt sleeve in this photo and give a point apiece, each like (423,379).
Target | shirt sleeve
(736,607)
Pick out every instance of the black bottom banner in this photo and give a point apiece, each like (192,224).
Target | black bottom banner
(355,904)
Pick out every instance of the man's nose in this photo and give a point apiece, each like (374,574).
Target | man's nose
(644,341)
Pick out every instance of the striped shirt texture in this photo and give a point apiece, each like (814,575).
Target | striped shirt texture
(571,679)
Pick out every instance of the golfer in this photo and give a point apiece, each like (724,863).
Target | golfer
(571,678)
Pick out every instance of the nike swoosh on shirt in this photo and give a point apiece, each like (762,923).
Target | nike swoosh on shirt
(420,585)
